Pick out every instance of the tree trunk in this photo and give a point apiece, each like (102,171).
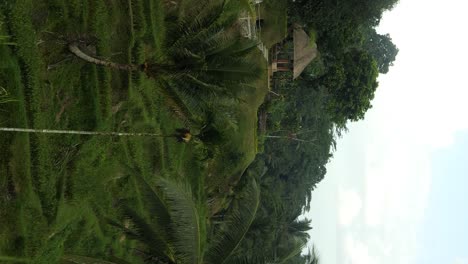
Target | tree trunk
(74,48)
(78,132)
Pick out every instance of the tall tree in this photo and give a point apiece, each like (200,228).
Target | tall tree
(175,229)
(382,49)
(351,83)
(359,11)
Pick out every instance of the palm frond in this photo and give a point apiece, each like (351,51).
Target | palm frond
(185,54)
(238,222)
(299,226)
(199,41)
(228,45)
(192,95)
(312,256)
(234,69)
(201,17)
(152,233)
(206,89)
(298,245)
(151,236)
(198,95)
(187,224)
(178,233)
(244,259)
(154,202)
(176,105)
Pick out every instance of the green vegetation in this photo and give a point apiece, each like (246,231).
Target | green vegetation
(5,40)
(352,52)
(4,96)
(58,191)
(234,192)
(301,118)
(274,28)
(201,59)
(352,84)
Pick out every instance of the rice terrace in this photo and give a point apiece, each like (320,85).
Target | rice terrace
(176,131)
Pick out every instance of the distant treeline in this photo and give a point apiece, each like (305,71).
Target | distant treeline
(306,115)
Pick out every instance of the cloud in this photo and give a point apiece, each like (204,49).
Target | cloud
(460,261)
(349,206)
(357,252)
(397,182)
(427,84)
(377,248)
(382,169)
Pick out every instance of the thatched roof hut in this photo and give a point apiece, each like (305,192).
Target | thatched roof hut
(304,51)
(294,53)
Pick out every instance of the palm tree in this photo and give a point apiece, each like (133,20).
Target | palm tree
(292,238)
(311,257)
(299,228)
(204,53)
(182,135)
(175,230)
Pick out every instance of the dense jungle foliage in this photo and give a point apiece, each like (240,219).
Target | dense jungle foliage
(306,115)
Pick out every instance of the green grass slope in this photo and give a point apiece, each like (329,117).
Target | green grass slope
(274,28)
(55,190)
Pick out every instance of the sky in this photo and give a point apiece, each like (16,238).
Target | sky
(394,191)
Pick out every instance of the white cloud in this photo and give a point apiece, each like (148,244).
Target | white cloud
(349,206)
(357,252)
(427,87)
(384,179)
(397,182)
(460,261)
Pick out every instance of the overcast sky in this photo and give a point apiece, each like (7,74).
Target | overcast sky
(394,191)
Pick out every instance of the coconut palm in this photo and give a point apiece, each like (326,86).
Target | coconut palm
(291,241)
(292,251)
(204,53)
(299,228)
(175,229)
(312,257)
(182,135)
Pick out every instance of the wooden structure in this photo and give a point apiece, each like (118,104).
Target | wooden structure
(294,53)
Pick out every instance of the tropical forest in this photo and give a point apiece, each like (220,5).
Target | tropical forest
(176,131)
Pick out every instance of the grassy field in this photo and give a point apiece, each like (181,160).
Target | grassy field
(275,25)
(55,190)
(242,147)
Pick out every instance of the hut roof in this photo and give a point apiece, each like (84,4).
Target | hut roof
(304,51)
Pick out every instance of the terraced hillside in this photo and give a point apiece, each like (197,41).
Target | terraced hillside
(57,190)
